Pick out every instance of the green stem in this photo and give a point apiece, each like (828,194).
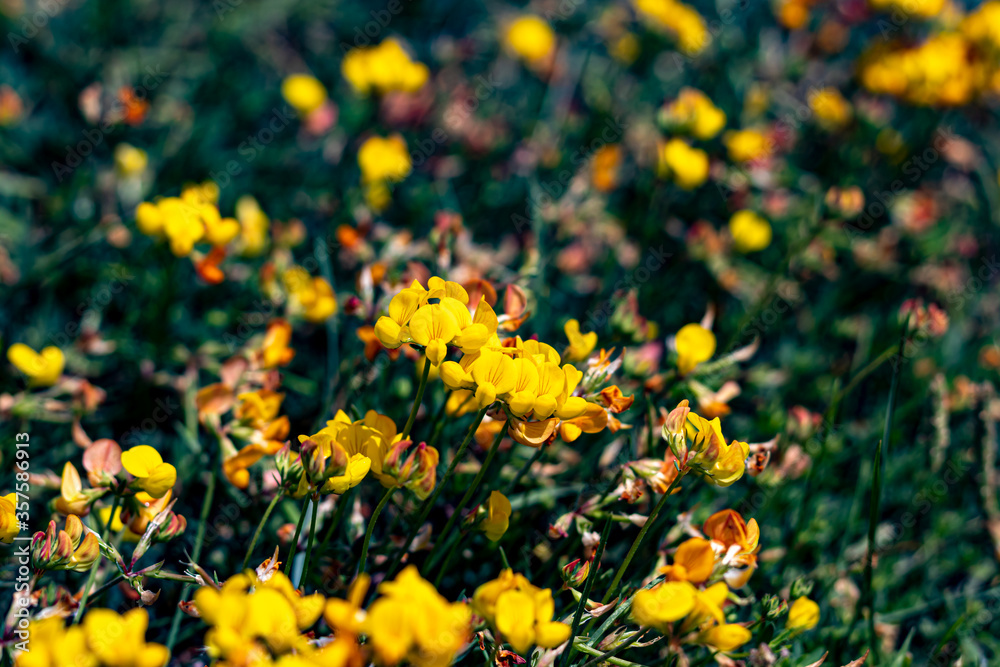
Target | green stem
(304,580)
(294,546)
(371,527)
(338,515)
(260,527)
(106,586)
(638,540)
(607,657)
(419,398)
(471,490)
(92,576)
(425,508)
(525,468)
(588,586)
(452,550)
(199,540)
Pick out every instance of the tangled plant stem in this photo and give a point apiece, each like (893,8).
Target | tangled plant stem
(260,527)
(638,540)
(425,508)
(468,493)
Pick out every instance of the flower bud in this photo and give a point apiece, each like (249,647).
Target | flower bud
(323,461)
(412,467)
(64,549)
(674,430)
(575,573)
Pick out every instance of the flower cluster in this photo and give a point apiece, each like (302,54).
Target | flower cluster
(382,69)
(259,619)
(104,639)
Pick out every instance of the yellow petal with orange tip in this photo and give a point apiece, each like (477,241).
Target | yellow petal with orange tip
(532,433)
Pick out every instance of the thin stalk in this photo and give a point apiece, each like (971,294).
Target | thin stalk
(472,489)
(525,468)
(294,546)
(199,540)
(105,586)
(260,527)
(584,648)
(638,540)
(371,527)
(876,497)
(425,508)
(338,516)
(312,539)
(588,586)
(606,657)
(417,400)
(92,577)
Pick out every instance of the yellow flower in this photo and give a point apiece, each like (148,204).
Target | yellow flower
(709,454)
(182,223)
(312,297)
(254,226)
(593,420)
(802,615)
(919,8)
(411,621)
(693,112)
(43,370)
(384,159)
(365,442)
(660,607)
(831,109)
(497,518)
(383,68)
(686,165)
(9,525)
(304,92)
(246,611)
(531,38)
(520,612)
(726,637)
(72,498)
(580,345)
(129,160)
(746,145)
(694,344)
(120,641)
(750,231)
(434,326)
(52,644)
(152,475)
(677,18)
(275,351)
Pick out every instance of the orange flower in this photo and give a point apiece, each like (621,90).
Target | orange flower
(614,400)
(275,350)
(694,561)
